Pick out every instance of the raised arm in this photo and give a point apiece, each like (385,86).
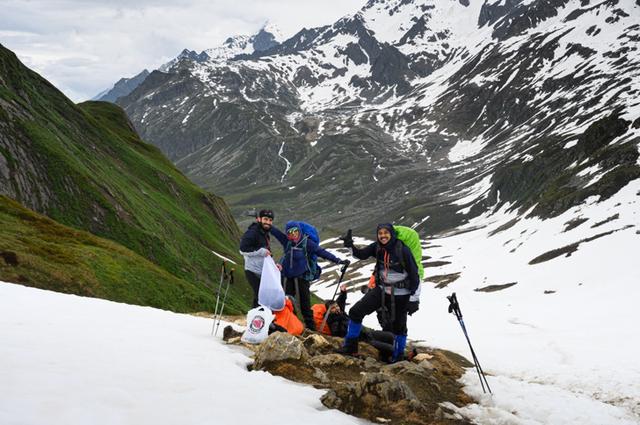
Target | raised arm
(321,252)
(364,253)
(281,237)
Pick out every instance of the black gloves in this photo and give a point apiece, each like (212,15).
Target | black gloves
(345,262)
(348,239)
(412,307)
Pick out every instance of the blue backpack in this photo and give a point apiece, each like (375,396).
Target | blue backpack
(309,232)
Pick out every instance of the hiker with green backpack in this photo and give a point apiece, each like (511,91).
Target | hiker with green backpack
(300,263)
(396,278)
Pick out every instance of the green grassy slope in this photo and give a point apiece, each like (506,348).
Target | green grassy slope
(39,252)
(84,166)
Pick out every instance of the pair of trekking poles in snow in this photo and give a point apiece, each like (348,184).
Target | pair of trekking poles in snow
(454,308)
(217,313)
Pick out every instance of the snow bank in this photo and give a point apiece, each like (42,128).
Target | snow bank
(71,360)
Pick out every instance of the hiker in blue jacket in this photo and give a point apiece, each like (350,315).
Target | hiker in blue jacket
(298,268)
(395,280)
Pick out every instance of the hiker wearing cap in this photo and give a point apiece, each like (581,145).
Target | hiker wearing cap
(396,278)
(337,319)
(299,267)
(255,245)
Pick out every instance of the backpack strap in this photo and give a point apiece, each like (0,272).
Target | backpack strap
(400,254)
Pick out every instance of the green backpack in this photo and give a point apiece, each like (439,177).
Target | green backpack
(411,239)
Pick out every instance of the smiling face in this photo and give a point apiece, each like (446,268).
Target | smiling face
(265,223)
(384,236)
(293,234)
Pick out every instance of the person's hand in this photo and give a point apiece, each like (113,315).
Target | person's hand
(412,307)
(345,262)
(348,239)
(267,253)
(343,287)
(372,282)
(279,266)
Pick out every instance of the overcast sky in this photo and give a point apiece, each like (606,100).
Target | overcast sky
(84,46)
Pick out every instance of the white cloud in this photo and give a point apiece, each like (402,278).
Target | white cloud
(84,46)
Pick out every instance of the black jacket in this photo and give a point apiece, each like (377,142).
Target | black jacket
(339,322)
(406,263)
(255,238)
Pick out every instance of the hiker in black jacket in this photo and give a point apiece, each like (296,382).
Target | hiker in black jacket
(396,279)
(255,245)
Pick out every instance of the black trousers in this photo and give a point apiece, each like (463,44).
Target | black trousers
(254,281)
(381,340)
(304,297)
(372,301)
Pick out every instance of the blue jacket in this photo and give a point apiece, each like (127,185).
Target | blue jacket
(294,261)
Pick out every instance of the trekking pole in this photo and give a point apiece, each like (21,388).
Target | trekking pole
(223,272)
(326,314)
(224,299)
(454,308)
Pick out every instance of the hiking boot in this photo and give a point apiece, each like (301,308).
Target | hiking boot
(349,348)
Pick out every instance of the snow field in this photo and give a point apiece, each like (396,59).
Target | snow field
(71,360)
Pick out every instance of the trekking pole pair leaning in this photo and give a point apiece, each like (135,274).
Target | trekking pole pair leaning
(454,308)
(326,314)
(217,313)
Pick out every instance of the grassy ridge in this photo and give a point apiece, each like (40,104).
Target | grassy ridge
(85,167)
(37,251)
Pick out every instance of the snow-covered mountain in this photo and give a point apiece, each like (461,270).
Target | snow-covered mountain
(266,38)
(506,131)
(409,109)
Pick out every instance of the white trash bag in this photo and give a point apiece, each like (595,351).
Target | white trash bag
(258,321)
(271,294)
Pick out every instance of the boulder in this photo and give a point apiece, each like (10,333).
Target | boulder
(421,356)
(280,347)
(377,397)
(328,361)
(315,343)
(406,368)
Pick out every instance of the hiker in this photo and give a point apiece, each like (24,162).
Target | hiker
(337,319)
(255,245)
(396,278)
(299,265)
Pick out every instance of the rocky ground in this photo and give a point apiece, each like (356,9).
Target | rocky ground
(408,392)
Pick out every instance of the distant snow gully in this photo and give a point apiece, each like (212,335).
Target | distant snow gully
(217,313)
(454,308)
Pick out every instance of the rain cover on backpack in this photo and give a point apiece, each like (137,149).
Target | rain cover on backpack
(271,294)
(411,239)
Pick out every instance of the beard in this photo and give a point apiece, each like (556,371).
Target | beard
(265,227)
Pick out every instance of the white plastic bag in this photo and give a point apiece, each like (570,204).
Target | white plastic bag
(258,321)
(271,294)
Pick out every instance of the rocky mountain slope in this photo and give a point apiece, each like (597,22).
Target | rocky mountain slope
(266,38)
(412,109)
(85,167)
(122,87)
